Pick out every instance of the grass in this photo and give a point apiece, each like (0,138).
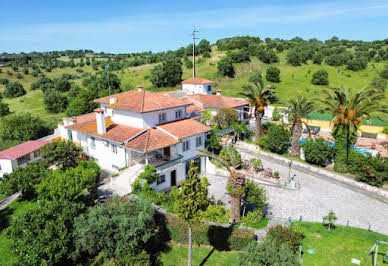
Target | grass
(13,211)
(339,246)
(203,255)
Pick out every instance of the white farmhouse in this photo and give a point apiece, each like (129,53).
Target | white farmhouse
(19,155)
(140,127)
(197,86)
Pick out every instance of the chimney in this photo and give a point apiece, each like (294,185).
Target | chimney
(112,100)
(218,92)
(140,87)
(100,118)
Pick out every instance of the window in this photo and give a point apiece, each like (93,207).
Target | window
(23,159)
(36,154)
(114,149)
(209,87)
(197,163)
(161,179)
(92,142)
(178,114)
(106,143)
(186,145)
(69,135)
(162,117)
(198,141)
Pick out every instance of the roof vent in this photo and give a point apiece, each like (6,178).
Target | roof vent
(112,100)
(218,92)
(140,87)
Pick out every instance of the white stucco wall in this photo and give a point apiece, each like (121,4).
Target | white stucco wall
(127,118)
(152,118)
(197,88)
(6,167)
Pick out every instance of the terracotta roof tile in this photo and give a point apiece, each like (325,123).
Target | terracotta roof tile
(217,101)
(142,101)
(150,140)
(194,108)
(184,128)
(197,81)
(22,149)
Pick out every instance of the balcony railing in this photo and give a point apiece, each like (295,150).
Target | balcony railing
(164,165)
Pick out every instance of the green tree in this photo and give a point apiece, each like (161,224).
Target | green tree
(277,140)
(225,67)
(191,202)
(273,74)
(4,109)
(203,47)
(318,152)
(149,174)
(320,77)
(169,73)
(259,96)
(13,90)
(83,103)
(70,184)
(241,129)
(231,156)
(64,154)
(4,81)
(43,235)
(62,85)
(298,108)
(97,84)
(54,101)
(23,127)
(225,117)
(116,229)
(235,184)
(330,219)
(254,194)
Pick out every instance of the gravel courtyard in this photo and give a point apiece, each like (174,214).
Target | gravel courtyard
(315,199)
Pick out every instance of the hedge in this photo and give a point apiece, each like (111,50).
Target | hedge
(221,238)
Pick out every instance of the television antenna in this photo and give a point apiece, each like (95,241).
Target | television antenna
(194,38)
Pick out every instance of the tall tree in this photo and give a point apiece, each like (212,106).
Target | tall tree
(236,181)
(348,108)
(297,108)
(191,202)
(259,96)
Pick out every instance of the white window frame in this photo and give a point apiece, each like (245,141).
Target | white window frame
(162,117)
(198,141)
(24,159)
(186,145)
(178,114)
(114,149)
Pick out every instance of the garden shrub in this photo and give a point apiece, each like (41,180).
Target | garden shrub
(225,117)
(320,77)
(4,109)
(231,155)
(216,213)
(385,130)
(252,218)
(149,174)
(369,169)
(318,152)
(277,140)
(273,74)
(290,235)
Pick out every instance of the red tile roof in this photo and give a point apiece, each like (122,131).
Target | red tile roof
(150,140)
(198,81)
(217,101)
(184,128)
(114,132)
(85,118)
(194,107)
(22,149)
(142,101)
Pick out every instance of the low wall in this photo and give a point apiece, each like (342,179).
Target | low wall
(372,191)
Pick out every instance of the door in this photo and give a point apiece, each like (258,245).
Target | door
(173,178)
(166,152)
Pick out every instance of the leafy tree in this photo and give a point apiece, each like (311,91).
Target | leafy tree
(4,81)
(54,101)
(4,109)
(330,219)
(239,56)
(213,143)
(24,179)
(357,63)
(255,194)
(203,47)
(241,129)
(231,156)
(116,229)
(259,97)
(277,140)
(225,117)
(298,108)
(64,154)
(225,67)
(82,104)
(318,152)
(97,84)
(43,235)
(70,184)
(317,58)
(384,73)
(268,252)
(235,185)
(169,73)
(43,83)
(290,235)
(25,71)
(62,85)
(273,74)
(206,55)
(320,77)
(23,127)
(149,174)
(13,90)
(19,76)
(191,202)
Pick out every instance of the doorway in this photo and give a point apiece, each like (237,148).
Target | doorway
(173,178)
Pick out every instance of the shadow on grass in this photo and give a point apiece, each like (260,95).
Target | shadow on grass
(219,238)
(159,243)
(5,218)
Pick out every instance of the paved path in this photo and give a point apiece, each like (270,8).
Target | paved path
(315,199)
(8,200)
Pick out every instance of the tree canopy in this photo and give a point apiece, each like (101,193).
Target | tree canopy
(64,154)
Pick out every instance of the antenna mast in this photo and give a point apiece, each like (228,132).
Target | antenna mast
(194,31)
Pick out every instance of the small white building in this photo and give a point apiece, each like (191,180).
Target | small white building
(197,86)
(20,155)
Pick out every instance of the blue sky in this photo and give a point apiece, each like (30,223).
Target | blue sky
(133,26)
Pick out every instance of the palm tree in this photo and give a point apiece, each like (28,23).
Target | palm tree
(348,108)
(298,108)
(235,185)
(259,96)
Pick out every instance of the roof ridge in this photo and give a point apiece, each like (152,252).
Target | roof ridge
(147,139)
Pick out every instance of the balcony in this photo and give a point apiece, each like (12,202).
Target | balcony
(164,164)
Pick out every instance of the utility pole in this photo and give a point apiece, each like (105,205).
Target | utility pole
(194,31)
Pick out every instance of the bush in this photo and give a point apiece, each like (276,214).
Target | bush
(273,74)
(257,164)
(277,140)
(317,58)
(14,89)
(216,213)
(62,85)
(357,64)
(225,67)
(169,73)
(290,235)
(149,174)
(253,218)
(225,117)
(54,101)
(385,130)
(318,152)
(369,169)
(320,77)
(19,76)
(4,109)
(43,83)
(4,81)
(231,155)
(239,56)
(23,127)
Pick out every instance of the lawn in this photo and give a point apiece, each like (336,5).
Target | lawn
(13,211)
(203,255)
(339,246)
